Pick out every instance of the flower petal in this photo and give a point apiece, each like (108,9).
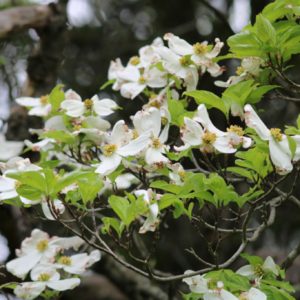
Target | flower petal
(63,285)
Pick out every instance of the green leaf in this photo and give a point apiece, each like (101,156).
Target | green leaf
(89,186)
(112,223)
(208,98)
(292,145)
(245,44)
(163,185)
(265,30)
(177,111)
(107,83)
(60,136)
(279,284)
(120,206)
(252,259)
(275,293)
(33,179)
(29,192)
(56,97)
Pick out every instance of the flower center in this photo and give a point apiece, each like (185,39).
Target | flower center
(200,48)
(258,270)
(236,129)
(239,70)
(212,284)
(109,150)
(42,245)
(44,277)
(88,103)
(142,80)
(135,134)
(17,184)
(134,60)
(155,103)
(181,174)
(65,260)
(209,138)
(44,100)
(276,134)
(156,143)
(185,61)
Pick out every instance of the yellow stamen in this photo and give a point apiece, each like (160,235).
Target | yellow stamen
(185,61)
(276,133)
(209,138)
(42,245)
(236,129)
(109,150)
(155,103)
(134,60)
(142,80)
(44,277)
(156,143)
(88,103)
(258,270)
(65,260)
(181,174)
(200,49)
(135,134)
(44,100)
(239,70)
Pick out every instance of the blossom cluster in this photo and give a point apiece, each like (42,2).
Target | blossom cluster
(210,289)
(49,265)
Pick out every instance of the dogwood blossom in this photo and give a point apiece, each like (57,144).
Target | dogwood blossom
(119,144)
(39,106)
(150,121)
(250,68)
(280,152)
(75,107)
(36,248)
(44,276)
(208,137)
(152,221)
(259,270)
(78,263)
(253,294)
(200,53)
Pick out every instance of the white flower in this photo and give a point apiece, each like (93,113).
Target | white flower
(8,188)
(44,276)
(280,152)
(250,68)
(180,66)
(152,220)
(37,247)
(135,81)
(177,174)
(78,263)
(253,294)
(9,149)
(39,106)
(147,54)
(118,145)
(149,121)
(114,68)
(75,107)
(208,137)
(45,144)
(197,283)
(257,271)
(18,164)
(4,250)
(200,53)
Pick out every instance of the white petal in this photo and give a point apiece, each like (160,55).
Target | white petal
(28,101)
(103,107)
(192,132)
(153,156)
(40,111)
(72,95)
(270,266)
(55,123)
(178,45)
(255,294)
(247,271)
(29,290)
(63,285)
(225,295)
(97,123)
(135,146)
(155,78)
(7,184)
(253,121)
(22,265)
(108,164)
(43,268)
(132,89)
(130,73)
(223,144)
(203,117)
(66,243)
(73,108)
(279,157)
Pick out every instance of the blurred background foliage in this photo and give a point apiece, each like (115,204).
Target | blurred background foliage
(98,31)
